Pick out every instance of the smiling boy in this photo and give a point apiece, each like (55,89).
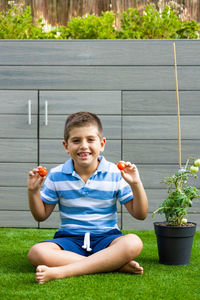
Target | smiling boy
(86,187)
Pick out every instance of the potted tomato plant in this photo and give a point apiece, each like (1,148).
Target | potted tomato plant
(175,235)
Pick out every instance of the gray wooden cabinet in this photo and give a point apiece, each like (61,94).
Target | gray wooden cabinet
(18,154)
(31,134)
(128,83)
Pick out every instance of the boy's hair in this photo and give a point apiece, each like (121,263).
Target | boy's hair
(80,119)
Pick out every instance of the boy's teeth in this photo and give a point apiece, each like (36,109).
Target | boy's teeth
(83,154)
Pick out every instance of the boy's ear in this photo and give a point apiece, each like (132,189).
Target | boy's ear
(65,145)
(103,142)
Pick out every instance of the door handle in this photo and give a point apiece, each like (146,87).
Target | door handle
(46,113)
(29,112)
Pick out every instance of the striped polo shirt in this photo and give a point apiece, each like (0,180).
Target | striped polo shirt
(86,207)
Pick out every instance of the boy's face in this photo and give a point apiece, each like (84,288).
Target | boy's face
(84,146)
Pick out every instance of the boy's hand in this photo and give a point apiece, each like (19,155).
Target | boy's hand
(130,173)
(35,181)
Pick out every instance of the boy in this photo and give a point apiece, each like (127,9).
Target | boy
(86,188)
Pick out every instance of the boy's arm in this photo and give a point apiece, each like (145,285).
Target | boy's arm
(40,210)
(138,207)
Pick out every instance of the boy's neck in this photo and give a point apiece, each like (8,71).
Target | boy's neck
(86,172)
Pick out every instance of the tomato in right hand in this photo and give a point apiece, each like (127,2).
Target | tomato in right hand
(42,171)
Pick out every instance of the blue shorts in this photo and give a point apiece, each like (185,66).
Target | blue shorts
(74,243)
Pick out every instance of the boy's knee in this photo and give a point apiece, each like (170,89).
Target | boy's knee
(35,254)
(133,245)
(31,253)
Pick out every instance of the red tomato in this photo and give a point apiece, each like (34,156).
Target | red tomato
(121,165)
(42,171)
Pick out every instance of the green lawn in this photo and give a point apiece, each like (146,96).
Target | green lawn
(17,276)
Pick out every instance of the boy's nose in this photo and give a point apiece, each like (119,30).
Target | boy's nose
(84,144)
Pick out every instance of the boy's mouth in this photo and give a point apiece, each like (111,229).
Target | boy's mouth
(84,154)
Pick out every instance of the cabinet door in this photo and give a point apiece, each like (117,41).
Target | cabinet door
(18,154)
(56,106)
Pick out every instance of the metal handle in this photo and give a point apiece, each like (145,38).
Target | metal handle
(46,113)
(29,112)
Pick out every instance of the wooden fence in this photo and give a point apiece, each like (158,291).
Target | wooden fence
(61,11)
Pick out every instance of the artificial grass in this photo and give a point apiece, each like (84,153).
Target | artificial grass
(17,276)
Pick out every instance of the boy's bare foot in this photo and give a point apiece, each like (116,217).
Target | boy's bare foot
(44,274)
(132,267)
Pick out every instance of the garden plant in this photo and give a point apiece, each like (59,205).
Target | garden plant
(175,236)
(180,195)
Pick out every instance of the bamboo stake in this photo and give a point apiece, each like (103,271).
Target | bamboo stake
(178,107)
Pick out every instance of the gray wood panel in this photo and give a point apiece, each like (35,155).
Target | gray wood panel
(17,219)
(67,102)
(112,150)
(18,150)
(159,151)
(14,174)
(94,78)
(151,175)
(160,127)
(16,126)
(16,102)
(129,223)
(99,78)
(55,128)
(160,103)
(52,151)
(13,198)
(98,52)
(53,221)
(185,51)
(157,196)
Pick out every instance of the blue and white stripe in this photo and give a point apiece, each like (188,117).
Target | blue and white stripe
(90,206)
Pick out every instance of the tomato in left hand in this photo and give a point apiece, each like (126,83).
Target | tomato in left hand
(121,165)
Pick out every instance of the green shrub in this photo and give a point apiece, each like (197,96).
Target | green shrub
(92,27)
(17,23)
(155,25)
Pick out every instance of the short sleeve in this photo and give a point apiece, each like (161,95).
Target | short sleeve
(124,193)
(48,193)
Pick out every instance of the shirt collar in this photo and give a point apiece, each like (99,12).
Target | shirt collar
(68,167)
(103,165)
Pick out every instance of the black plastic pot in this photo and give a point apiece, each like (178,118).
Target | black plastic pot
(174,243)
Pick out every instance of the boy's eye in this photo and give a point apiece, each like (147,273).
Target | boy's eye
(91,139)
(75,141)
